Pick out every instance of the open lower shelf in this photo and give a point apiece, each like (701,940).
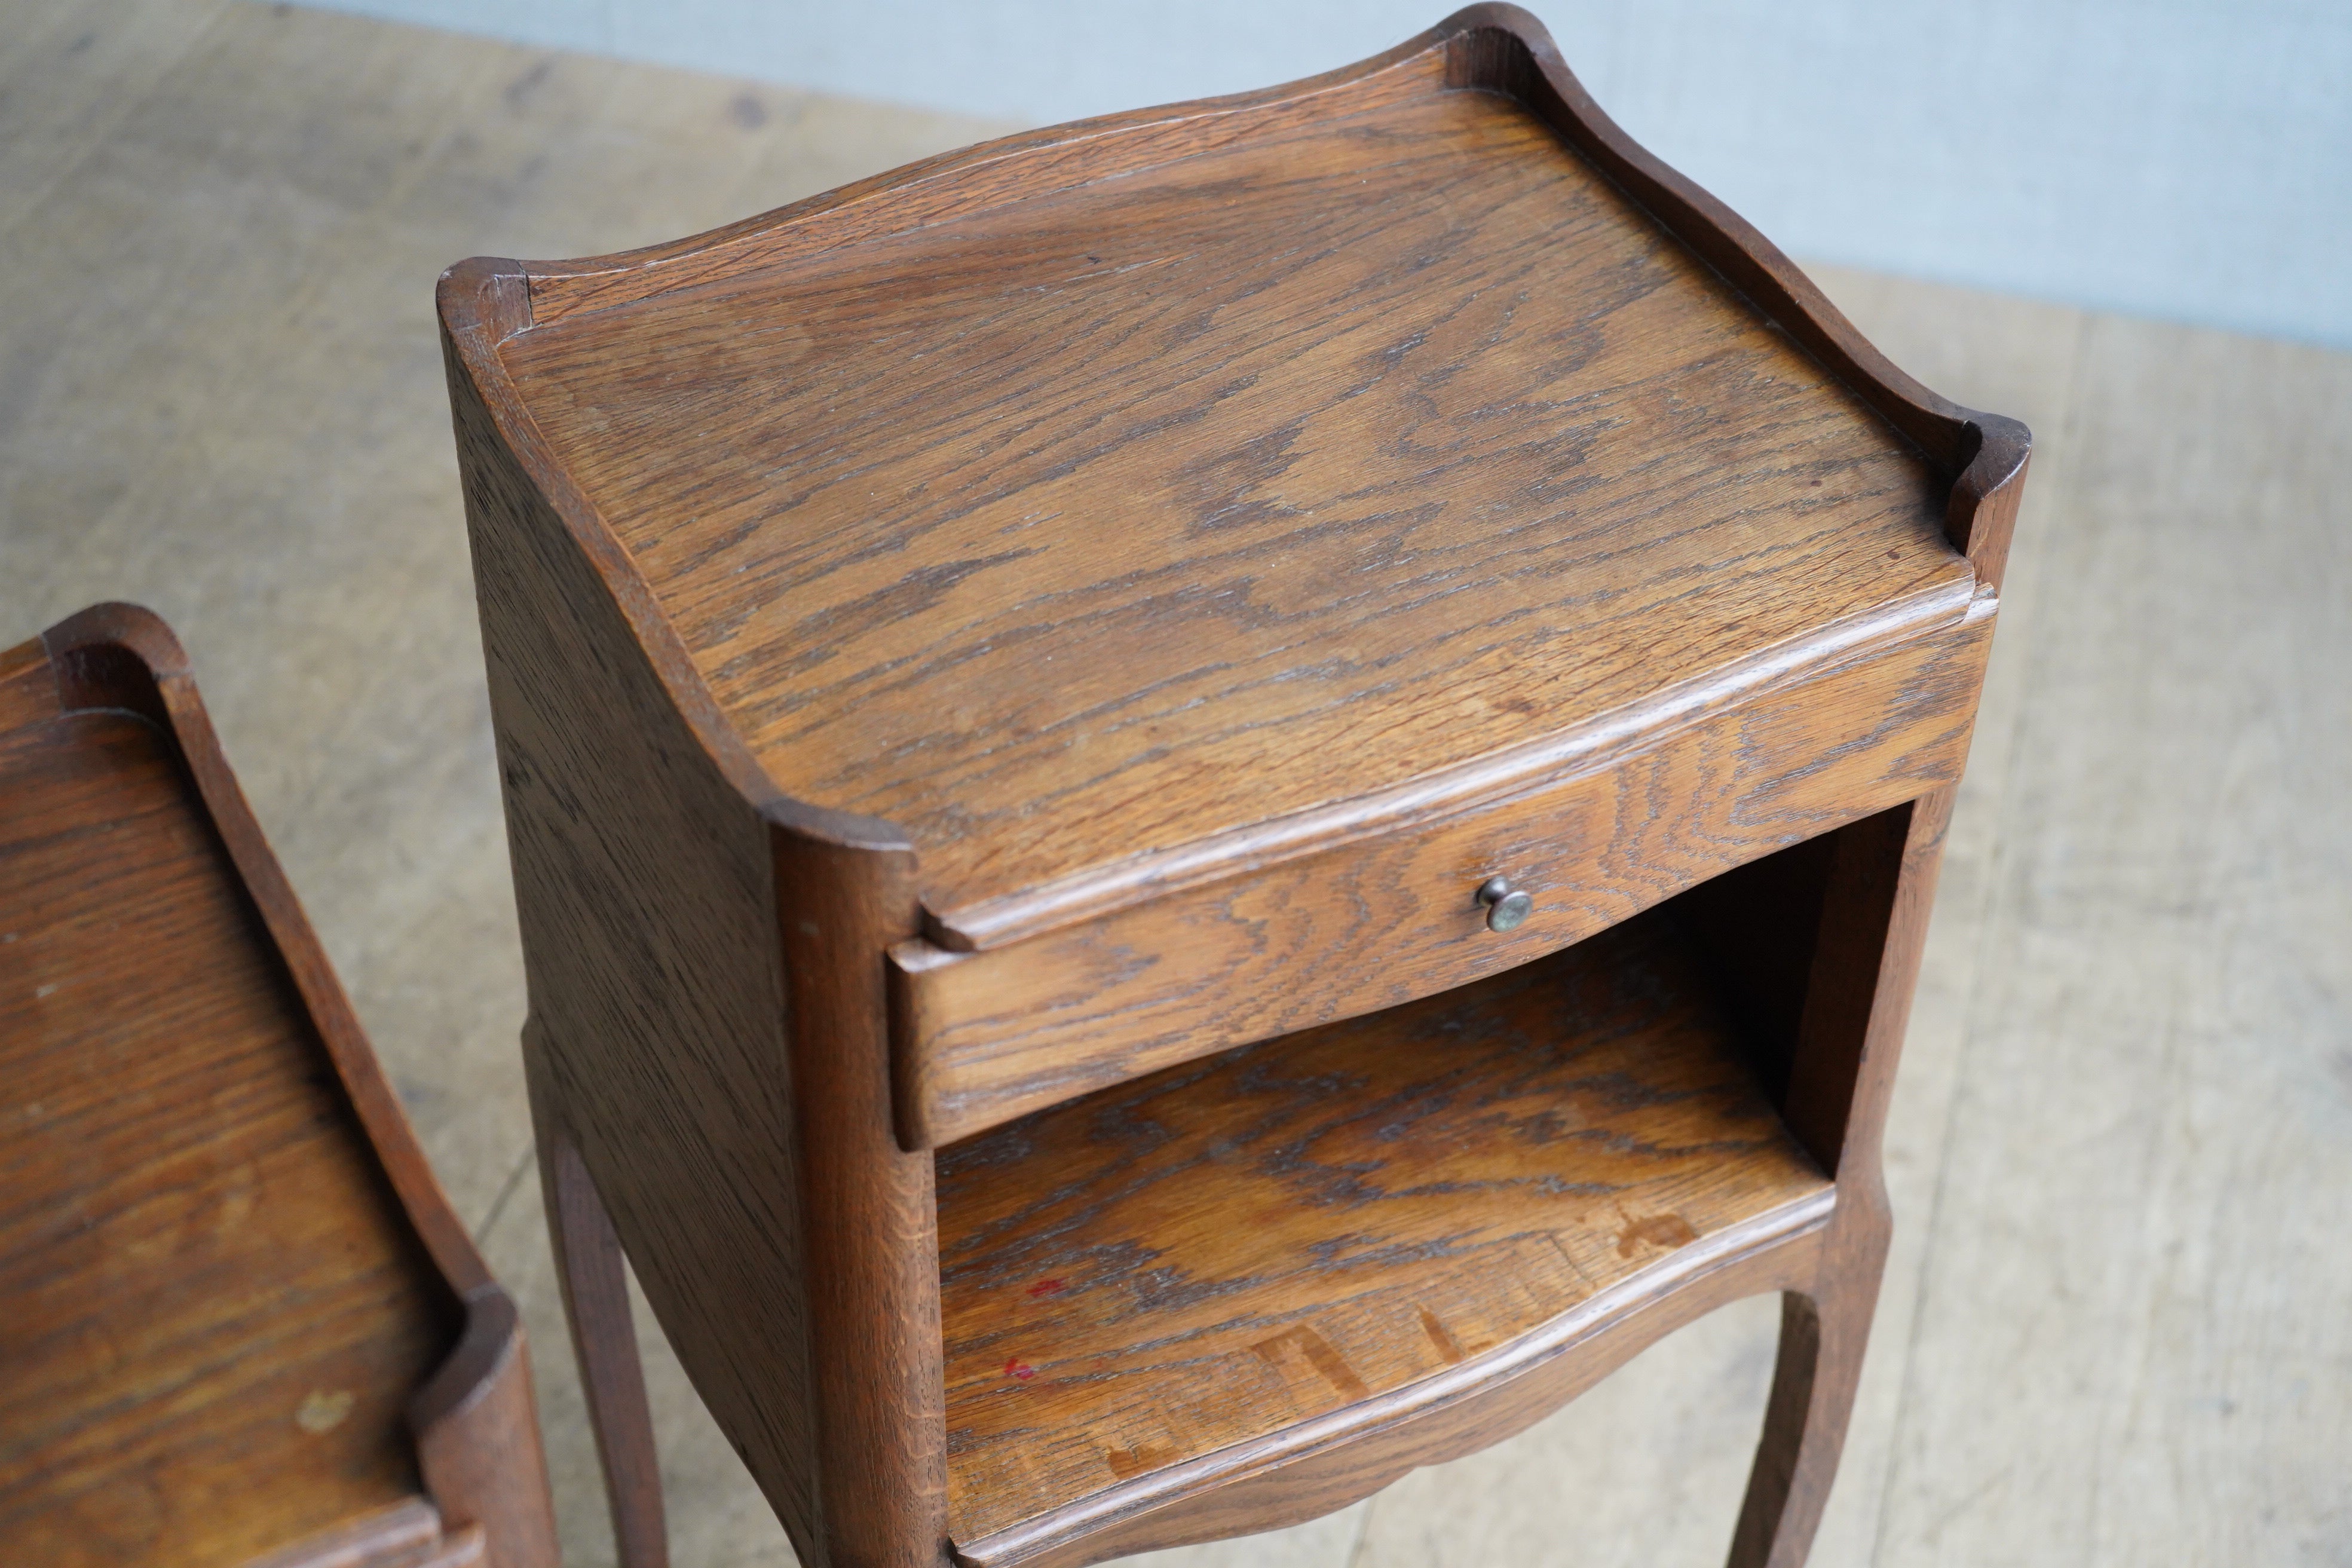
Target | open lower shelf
(1223,1249)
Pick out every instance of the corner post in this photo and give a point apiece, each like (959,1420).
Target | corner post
(1880,887)
(869,1216)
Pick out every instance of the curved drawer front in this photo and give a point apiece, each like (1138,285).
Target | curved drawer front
(982,1037)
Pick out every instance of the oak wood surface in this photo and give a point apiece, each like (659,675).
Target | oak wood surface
(1311,1472)
(223,1257)
(983,1037)
(177,1177)
(1141,1279)
(852,539)
(607,930)
(477,1442)
(707,1006)
(1343,456)
(874,1282)
(2166,868)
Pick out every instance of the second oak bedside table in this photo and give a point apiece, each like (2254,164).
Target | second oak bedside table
(1207,804)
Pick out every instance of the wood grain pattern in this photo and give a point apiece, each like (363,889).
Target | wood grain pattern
(2208,489)
(1314,1469)
(966,180)
(149,1255)
(1494,47)
(631,943)
(707,1002)
(1504,49)
(872,1232)
(1137,1281)
(983,1037)
(1091,531)
(1331,461)
(227,1253)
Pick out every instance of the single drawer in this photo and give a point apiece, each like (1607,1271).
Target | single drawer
(982,1037)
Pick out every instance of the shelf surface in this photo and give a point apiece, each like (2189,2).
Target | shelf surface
(1221,1250)
(1375,439)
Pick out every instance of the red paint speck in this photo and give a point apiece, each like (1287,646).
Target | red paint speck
(1047,1288)
(1019,1369)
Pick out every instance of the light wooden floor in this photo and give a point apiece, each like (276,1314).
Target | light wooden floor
(2118,1327)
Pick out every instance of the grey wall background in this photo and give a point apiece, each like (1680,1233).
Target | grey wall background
(2188,159)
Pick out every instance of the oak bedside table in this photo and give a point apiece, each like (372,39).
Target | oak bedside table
(1208,804)
(240,1325)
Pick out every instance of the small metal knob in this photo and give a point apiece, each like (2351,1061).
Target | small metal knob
(1506,906)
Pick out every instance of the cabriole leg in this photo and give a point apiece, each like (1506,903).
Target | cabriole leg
(589,1267)
(1822,1337)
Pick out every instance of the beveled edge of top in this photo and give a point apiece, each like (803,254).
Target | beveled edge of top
(1496,47)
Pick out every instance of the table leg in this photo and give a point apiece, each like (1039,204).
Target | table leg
(1822,1337)
(589,1266)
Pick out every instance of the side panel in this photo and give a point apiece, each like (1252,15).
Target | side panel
(648,911)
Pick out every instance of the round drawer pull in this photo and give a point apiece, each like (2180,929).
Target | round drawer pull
(1506,906)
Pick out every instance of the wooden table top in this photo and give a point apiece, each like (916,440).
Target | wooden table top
(1205,493)
(216,1309)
